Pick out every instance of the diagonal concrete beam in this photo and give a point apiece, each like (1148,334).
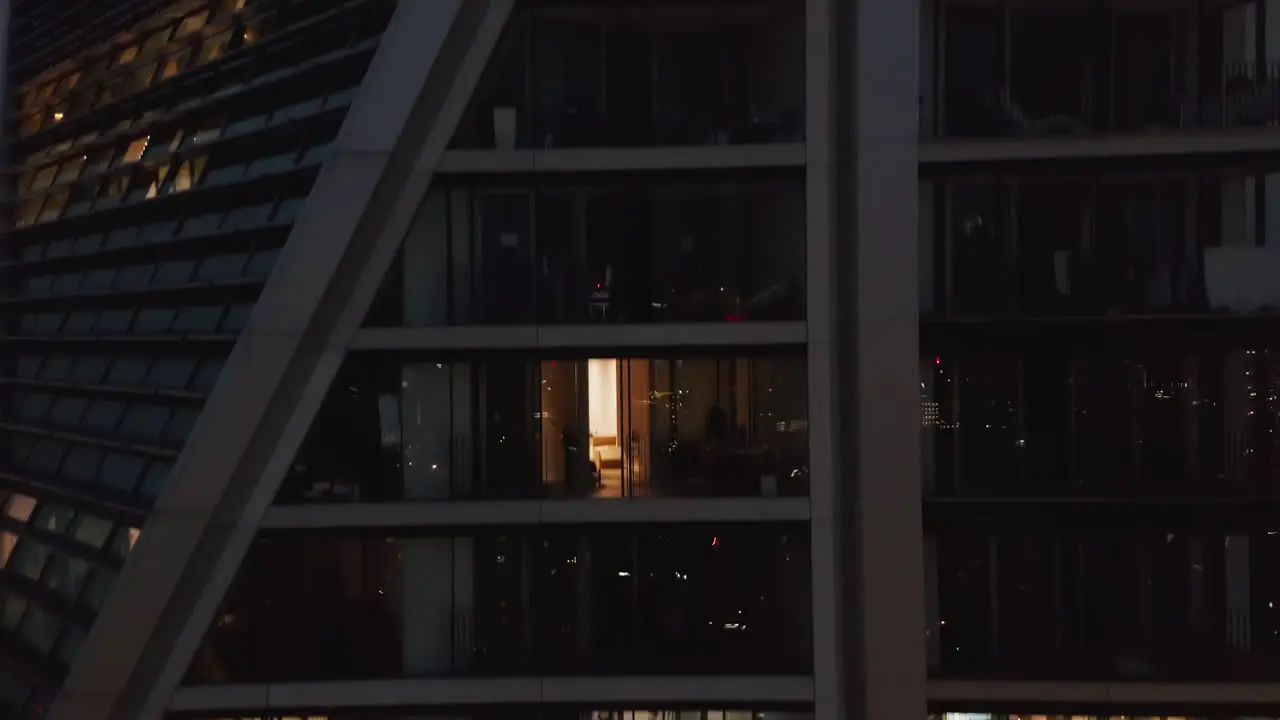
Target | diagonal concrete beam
(341,247)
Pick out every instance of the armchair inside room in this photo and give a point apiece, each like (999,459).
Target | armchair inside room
(606,453)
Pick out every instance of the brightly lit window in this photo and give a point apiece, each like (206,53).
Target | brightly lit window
(44,177)
(134,152)
(191,24)
(20,507)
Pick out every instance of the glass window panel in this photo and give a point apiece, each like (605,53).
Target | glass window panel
(144,422)
(69,645)
(171,66)
(67,411)
(191,23)
(59,248)
(20,507)
(91,530)
(158,145)
(202,224)
(52,518)
(98,280)
(41,285)
(113,321)
(262,264)
(213,48)
(222,267)
(123,541)
(154,480)
(121,472)
(49,323)
(237,317)
(40,629)
(71,169)
(80,322)
(20,445)
(180,426)
(158,232)
(7,543)
(89,369)
(28,211)
(188,175)
(67,284)
(128,371)
(135,277)
(288,211)
(157,39)
(177,272)
(123,237)
(67,575)
(197,319)
(34,407)
(223,174)
(29,365)
(148,184)
(249,217)
(44,177)
(103,416)
(127,55)
(12,608)
(46,456)
(82,463)
(29,559)
(207,375)
(53,206)
(171,373)
(133,153)
(57,367)
(99,585)
(155,320)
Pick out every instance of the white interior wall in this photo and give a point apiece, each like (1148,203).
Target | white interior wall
(602,389)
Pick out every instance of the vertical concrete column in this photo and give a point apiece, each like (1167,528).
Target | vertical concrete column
(863,213)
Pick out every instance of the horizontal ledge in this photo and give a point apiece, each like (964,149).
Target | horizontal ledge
(450,513)
(1087,693)
(585,336)
(1175,143)
(694,157)
(607,691)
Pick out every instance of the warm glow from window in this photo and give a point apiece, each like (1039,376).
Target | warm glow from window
(250,36)
(133,536)
(7,541)
(191,24)
(128,54)
(206,135)
(44,178)
(20,507)
(188,175)
(239,6)
(159,180)
(171,67)
(134,152)
(57,116)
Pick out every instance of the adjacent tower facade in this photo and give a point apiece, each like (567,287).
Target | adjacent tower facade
(462,359)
